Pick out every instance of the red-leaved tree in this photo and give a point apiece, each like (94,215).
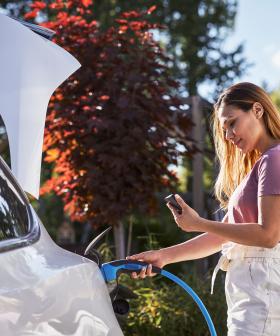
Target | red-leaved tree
(113,128)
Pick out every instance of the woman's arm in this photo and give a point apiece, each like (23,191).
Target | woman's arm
(199,247)
(263,234)
(195,248)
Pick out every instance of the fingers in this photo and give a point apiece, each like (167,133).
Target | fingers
(141,275)
(149,271)
(174,212)
(138,256)
(179,199)
(145,271)
(171,208)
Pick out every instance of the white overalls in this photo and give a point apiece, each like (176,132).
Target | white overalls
(252,289)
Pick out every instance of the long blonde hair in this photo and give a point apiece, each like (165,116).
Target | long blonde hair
(234,165)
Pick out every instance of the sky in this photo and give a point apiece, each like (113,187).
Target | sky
(257,25)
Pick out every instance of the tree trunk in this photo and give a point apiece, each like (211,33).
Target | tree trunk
(129,236)
(199,137)
(197,168)
(119,237)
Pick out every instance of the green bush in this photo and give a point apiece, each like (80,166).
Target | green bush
(163,308)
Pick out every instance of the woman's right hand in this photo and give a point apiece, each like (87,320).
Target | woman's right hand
(153,257)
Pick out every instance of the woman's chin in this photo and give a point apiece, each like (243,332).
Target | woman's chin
(246,150)
(243,150)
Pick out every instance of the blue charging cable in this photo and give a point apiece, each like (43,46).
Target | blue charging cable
(113,269)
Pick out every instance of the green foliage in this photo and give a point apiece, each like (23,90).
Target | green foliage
(16,8)
(196,31)
(275,96)
(195,34)
(157,231)
(50,211)
(112,129)
(105,251)
(163,308)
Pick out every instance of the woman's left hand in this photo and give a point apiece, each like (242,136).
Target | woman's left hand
(189,219)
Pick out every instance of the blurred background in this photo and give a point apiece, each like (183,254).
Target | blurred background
(134,124)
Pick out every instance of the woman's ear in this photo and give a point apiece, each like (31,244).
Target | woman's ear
(258,110)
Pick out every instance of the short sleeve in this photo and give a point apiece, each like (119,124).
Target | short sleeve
(269,174)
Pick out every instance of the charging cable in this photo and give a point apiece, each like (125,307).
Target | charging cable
(113,269)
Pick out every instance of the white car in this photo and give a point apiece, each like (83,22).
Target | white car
(44,290)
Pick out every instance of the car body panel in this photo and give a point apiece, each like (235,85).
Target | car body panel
(31,68)
(46,290)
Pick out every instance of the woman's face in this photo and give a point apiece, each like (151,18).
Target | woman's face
(244,129)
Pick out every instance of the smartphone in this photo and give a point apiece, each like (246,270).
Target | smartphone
(172,200)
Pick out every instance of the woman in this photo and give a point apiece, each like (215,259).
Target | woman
(246,128)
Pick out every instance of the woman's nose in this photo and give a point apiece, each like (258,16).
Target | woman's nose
(229,135)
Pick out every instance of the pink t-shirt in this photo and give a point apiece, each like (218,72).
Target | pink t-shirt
(263,179)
